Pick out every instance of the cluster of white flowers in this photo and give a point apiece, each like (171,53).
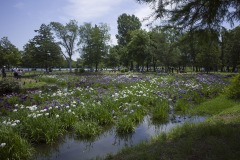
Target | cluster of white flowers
(11,122)
(2,145)
(32,108)
(35,115)
(89,89)
(70,111)
(38,113)
(73,103)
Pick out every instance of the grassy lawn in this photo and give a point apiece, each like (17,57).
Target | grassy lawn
(214,139)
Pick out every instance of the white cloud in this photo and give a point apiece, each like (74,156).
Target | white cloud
(88,9)
(19,5)
(145,14)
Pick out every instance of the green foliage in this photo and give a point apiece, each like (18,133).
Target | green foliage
(53,79)
(9,54)
(86,129)
(138,46)
(126,24)
(67,35)
(13,146)
(101,115)
(94,43)
(125,125)
(228,116)
(197,13)
(81,70)
(68,119)
(182,105)
(213,106)
(40,128)
(233,91)
(160,113)
(42,51)
(8,85)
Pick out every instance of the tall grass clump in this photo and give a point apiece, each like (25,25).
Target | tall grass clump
(160,113)
(13,146)
(182,105)
(86,129)
(125,125)
(233,91)
(40,129)
(101,115)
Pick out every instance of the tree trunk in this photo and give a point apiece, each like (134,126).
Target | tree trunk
(96,67)
(131,68)
(147,67)
(70,63)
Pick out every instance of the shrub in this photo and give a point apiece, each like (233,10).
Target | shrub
(124,70)
(8,85)
(233,91)
(81,70)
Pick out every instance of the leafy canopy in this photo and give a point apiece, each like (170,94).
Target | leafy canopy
(196,14)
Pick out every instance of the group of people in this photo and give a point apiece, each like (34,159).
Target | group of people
(16,72)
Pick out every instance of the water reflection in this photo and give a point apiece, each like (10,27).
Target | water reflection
(71,148)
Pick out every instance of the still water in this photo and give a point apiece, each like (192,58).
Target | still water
(74,149)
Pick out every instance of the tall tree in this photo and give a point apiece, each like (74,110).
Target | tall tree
(196,13)
(94,43)
(126,24)
(233,49)
(208,55)
(68,37)
(157,45)
(138,46)
(113,58)
(9,54)
(42,50)
(170,54)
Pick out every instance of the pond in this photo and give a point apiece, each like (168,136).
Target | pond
(74,149)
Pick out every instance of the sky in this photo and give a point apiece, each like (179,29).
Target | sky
(19,18)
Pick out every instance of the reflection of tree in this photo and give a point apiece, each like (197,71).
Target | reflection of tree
(127,139)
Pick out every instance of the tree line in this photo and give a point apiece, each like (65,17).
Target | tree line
(168,47)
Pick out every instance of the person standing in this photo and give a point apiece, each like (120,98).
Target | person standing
(3,72)
(15,73)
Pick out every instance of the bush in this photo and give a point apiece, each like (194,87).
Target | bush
(81,70)
(76,70)
(233,91)
(124,70)
(8,85)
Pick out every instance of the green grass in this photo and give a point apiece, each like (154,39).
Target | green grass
(214,139)
(28,83)
(13,146)
(214,106)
